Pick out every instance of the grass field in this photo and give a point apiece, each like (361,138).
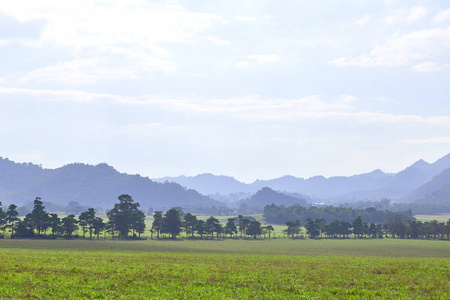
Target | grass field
(229,269)
(440,218)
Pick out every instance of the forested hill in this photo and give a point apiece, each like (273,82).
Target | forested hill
(96,186)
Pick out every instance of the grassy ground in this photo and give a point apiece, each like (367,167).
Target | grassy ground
(439,218)
(230,269)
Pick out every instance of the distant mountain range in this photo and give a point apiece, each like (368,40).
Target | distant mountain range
(96,186)
(99,186)
(405,186)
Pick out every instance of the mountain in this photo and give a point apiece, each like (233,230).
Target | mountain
(89,185)
(209,184)
(267,196)
(371,186)
(434,191)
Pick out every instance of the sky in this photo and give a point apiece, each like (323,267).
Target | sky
(250,89)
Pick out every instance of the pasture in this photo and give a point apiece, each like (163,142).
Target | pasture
(225,269)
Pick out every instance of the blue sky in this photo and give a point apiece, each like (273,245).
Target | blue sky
(250,89)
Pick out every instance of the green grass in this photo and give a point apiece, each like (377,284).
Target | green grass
(229,269)
(440,218)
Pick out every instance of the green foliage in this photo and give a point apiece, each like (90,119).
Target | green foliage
(281,214)
(126,216)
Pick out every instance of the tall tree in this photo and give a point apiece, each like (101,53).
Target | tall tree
(69,225)
(201,228)
(86,220)
(358,227)
(38,216)
(11,217)
(124,215)
(157,225)
(189,222)
(2,219)
(98,226)
(172,222)
(312,228)
(55,224)
(230,227)
(212,225)
(293,228)
(254,229)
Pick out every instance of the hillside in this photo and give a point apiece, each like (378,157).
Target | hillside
(89,185)
(267,196)
(434,187)
(370,186)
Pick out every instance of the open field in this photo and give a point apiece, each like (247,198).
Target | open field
(439,218)
(229,269)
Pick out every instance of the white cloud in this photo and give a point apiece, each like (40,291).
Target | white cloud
(442,16)
(218,41)
(363,20)
(347,98)
(243,64)
(406,16)
(264,58)
(435,140)
(403,49)
(416,13)
(244,19)
(90,32)
(78,71)
(427,66)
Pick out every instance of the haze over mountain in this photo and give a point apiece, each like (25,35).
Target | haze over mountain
(370,186)
(97,186)
(267,196)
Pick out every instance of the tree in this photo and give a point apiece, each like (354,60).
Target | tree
(124,215)
(86,219)
(157,223)
(98,226)
(254,229)
(243,223)
(38,216)
(358,227)
(11,217)
(213,225)
(200,228)
(230,227)
(269,229)
(69,225)
(189,222)
(293,228)
(312,228)
(55,224)
(2,219)
(139,223)
(172,222)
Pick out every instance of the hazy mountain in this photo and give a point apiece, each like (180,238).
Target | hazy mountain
(267,196)
(97,186)
(362,187)
(209,184)
(435,190)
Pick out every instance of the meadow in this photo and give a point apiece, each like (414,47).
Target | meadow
(224,269)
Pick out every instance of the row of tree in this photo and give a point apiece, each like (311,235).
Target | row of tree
(280,214)
(123,219)
(126,217)
(175,221)
(395,227)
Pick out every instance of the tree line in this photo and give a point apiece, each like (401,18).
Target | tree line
(280,214)
(175,221)
(394,227)
(123,219)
